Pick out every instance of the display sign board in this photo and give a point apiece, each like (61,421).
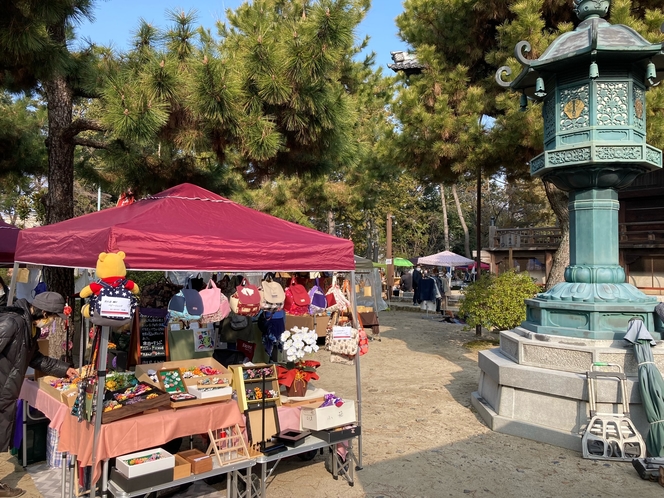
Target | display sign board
(152,335)
(388,261)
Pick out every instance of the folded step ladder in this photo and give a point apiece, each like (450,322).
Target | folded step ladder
(610,436)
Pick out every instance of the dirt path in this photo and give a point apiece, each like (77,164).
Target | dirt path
(422,438)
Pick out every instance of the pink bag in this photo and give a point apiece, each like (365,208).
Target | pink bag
(215,304)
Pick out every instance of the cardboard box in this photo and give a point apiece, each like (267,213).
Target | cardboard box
(43,346)
(141,482)
(142,370)
(200,462)
(328,417)
(320,323)
(300,321)
(166,461)
(182,468)
(67,397)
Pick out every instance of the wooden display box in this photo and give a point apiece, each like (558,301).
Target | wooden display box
(68,397)
(182,468)
(142,370)
(166,461)
(300,321)
(162,400)
(199,461)
(240,385)
(327,417)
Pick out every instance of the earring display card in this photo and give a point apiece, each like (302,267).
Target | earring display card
(171,381)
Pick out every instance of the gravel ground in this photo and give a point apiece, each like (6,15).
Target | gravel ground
(421,436)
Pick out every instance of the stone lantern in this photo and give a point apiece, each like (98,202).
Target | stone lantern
(592,83)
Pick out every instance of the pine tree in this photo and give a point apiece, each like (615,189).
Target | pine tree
(34,57)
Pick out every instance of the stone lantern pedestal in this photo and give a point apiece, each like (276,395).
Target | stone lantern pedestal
(592,83)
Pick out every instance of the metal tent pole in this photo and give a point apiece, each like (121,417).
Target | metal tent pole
(12,285)
(99,410)
(358,376)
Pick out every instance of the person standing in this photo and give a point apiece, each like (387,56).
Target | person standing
(18,350)
(417,276)
(4,292)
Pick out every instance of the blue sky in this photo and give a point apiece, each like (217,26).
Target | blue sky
(116,20)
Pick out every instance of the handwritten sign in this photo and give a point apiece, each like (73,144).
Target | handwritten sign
(152,335)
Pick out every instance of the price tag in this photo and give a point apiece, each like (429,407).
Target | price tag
(115,307)
(341,332)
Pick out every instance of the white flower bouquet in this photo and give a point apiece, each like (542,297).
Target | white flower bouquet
(298,342)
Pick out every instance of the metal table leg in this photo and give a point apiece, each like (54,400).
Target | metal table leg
(25,433)
(263,479)
(104,479)
(72,477)
(63,482)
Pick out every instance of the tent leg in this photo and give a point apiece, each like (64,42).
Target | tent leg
(101,382)
(358,376)
(12,285)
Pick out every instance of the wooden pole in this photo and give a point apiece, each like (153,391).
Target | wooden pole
(388,257)
(478,256)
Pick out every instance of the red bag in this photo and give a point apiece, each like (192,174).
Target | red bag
(297,299)
(246,300)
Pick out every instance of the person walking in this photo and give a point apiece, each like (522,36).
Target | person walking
(417,276)
(18,350)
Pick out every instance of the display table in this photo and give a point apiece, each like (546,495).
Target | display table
(130,434)
(370,321)
(233,471)
(311,443)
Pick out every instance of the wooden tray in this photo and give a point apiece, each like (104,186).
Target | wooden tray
(162,400)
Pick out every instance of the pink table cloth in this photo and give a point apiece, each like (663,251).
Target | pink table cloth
(133,433)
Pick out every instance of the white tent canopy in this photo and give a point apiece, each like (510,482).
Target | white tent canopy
(445,258)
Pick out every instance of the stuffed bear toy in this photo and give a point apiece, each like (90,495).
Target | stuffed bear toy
(112,270)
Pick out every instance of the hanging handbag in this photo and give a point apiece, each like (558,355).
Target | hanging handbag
(346,346)
(272,295)
(340,303)
(318,301)
(246,300)
(186,305)
(297,300)
(215,304)
(159,293)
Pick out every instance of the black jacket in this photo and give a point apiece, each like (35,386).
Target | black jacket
(18,349)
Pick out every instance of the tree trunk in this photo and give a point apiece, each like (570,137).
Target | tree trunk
(60,196)
(559,203)
(446,227)
(466,236)
(331,228)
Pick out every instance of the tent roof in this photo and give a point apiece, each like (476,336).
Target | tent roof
(185,228)
(445,258)
(8,235)
(363,263)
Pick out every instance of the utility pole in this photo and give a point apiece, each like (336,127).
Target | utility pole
(478,259)
(388,258)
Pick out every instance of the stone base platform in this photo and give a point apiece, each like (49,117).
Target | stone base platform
(534,385)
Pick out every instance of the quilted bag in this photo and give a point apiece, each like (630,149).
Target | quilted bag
(336,301)
(215,304)
(246,300)
(272,295)
(186,305)
(346,347)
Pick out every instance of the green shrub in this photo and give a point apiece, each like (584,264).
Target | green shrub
(497,302)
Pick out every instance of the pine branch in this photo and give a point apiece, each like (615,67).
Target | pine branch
(89,142)
(80,125)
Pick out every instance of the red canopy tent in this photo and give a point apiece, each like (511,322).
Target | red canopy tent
(484,266)
(185,228)
(8,235)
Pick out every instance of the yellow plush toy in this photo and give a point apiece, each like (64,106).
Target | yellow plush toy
(111,270)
